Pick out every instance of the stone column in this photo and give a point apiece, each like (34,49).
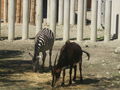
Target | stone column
(48,11)
(11,20)
(66,32)
(25,30)
(39,15)
(85,11)
(103,12)
(53,15)
(61,12)
(99,14)
(5,10)
(107,20)
(80,21)
(72,12)
(94,21)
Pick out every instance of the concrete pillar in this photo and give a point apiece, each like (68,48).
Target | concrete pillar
(72,12)
(85,11)
(25,30)
(94,21)
(53,15)
(5,10)
(103,12)
(80,21)
(11,20)
(66,32)
(99,14)
(61,12)
(48,11)
(107,20)
(39,15)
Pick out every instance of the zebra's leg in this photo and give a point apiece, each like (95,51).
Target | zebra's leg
(43,59)
(75,69)
(50,54)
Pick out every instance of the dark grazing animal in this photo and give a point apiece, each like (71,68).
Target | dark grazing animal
(70,55)
(44,41)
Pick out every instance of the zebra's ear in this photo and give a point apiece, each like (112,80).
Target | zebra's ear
(30,54)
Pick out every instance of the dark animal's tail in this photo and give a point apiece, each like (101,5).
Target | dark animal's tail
(87,54)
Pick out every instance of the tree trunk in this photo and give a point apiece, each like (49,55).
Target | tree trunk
(5,11)
(18,11)
(32,12)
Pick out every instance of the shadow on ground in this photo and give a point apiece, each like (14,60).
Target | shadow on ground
(10,53)
(14,66)
(99,83)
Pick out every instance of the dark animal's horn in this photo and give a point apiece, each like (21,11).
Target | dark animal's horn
(30,54)
(55,59)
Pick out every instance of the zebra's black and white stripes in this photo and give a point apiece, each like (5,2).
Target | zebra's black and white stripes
(44,41)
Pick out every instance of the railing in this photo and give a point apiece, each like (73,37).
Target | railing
(66,16)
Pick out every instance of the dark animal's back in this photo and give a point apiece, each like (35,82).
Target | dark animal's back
(70,53)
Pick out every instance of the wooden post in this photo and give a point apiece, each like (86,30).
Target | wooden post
(66,33)
(25,31)
(18,11)
(39,15)
(61,12)
(5,11)
(107,20)
(53,15)
(11,20)
(80,21)
(72,12)
(94,21)
(32,12)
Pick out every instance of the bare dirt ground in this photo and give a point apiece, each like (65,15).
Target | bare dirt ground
(101,72)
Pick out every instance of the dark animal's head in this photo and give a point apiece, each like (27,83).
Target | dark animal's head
(35,62)
(55,73)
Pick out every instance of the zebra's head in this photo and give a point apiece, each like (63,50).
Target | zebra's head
(35,62)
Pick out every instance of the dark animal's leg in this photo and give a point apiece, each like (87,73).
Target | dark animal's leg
(63,78)
(50,54)
(70,82)
(75,69)
(80,68)
(43,59)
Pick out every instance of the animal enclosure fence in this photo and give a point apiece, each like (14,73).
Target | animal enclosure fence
(63,10)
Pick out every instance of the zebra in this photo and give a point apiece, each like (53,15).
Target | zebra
(44,40)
